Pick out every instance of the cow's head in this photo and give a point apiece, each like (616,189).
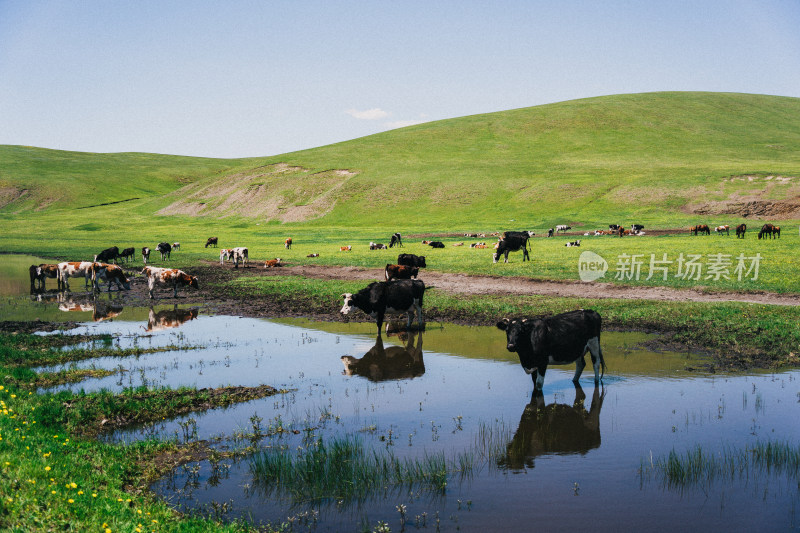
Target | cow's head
(348,303)
(520,331)
(192,281)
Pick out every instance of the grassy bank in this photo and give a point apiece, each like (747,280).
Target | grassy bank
(52,478)
(739,335)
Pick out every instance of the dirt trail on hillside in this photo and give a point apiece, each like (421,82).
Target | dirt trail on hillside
(463,284)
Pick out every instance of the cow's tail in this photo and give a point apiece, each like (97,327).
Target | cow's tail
(386,272)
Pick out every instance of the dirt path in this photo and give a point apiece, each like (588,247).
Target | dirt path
(464,284)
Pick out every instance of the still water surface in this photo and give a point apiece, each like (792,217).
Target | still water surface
(567,461)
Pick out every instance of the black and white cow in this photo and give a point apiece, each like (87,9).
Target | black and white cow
(387,297)
(513,241)
(411,260)
(396,239)
(556,340)
(145,254)
(165,248)
(562,227)
(109,254)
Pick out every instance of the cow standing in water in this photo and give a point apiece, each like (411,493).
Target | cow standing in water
(382,298)
(556,340)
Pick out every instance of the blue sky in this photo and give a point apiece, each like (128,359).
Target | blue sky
(236,78)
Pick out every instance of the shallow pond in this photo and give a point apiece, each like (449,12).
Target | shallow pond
(577,458)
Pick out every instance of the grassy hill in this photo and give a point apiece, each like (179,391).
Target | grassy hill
(656,158)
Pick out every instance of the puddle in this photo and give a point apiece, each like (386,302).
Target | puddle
(453,390)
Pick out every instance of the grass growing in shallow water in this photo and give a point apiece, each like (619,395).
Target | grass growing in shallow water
(699,467)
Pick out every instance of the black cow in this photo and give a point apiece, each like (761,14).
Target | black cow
(556,340)
(127,254)
(436,244)
(512,241)
(109,254)
(165,248)
(212,241)
(411,260)
(394,362)
(387,297)
(396,240)
(557,428)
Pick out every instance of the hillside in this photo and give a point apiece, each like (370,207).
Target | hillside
(663,158)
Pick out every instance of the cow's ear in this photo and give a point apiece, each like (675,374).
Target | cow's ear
(503,324)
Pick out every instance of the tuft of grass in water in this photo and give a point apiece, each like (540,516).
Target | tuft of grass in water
(699,467)
(343,469)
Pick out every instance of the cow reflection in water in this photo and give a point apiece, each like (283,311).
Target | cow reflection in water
(100,310)
(169,318)
(554,429)
(393,362)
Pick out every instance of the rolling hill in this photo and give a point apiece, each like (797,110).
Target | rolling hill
(659,158)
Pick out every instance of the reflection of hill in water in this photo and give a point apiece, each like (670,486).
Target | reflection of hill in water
(621,350)
(554,429)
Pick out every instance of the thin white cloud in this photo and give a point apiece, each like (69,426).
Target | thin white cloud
(375,113)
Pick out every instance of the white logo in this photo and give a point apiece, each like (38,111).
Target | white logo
(591,266)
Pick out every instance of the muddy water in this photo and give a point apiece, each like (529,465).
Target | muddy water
(569,460)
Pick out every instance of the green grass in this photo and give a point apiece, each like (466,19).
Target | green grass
(699,467)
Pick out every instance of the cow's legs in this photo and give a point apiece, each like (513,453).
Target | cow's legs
(580,364)
(538,378)
(597,357)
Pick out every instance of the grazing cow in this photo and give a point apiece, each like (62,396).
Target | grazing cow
(288,243)
(436,244)
(377,246)
(380,298)
(212,241)
(400,272)
(240,254)
(394,362)
(512,242)
(558,428)
(111,274)
(145,255)
(170,277)
(165,249)
(39,273)
(345,248)
(74,269)
(776,230)
(168,318)
(562,227)
(701,229)
(550,232)
(411,260)
(109,254)
(272,263)
(741,229)
(176,246)
(312,255)
(127,254)
(555,340)
(225,254)
(396,239)
(726,229)
(573,243)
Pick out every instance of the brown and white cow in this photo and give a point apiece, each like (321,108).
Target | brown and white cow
(288,243)
(111,274)
(176,246)
(169,277)
(272,263)
(41,272)
(345,248)
(75,269)
(224,255)
(168,318)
